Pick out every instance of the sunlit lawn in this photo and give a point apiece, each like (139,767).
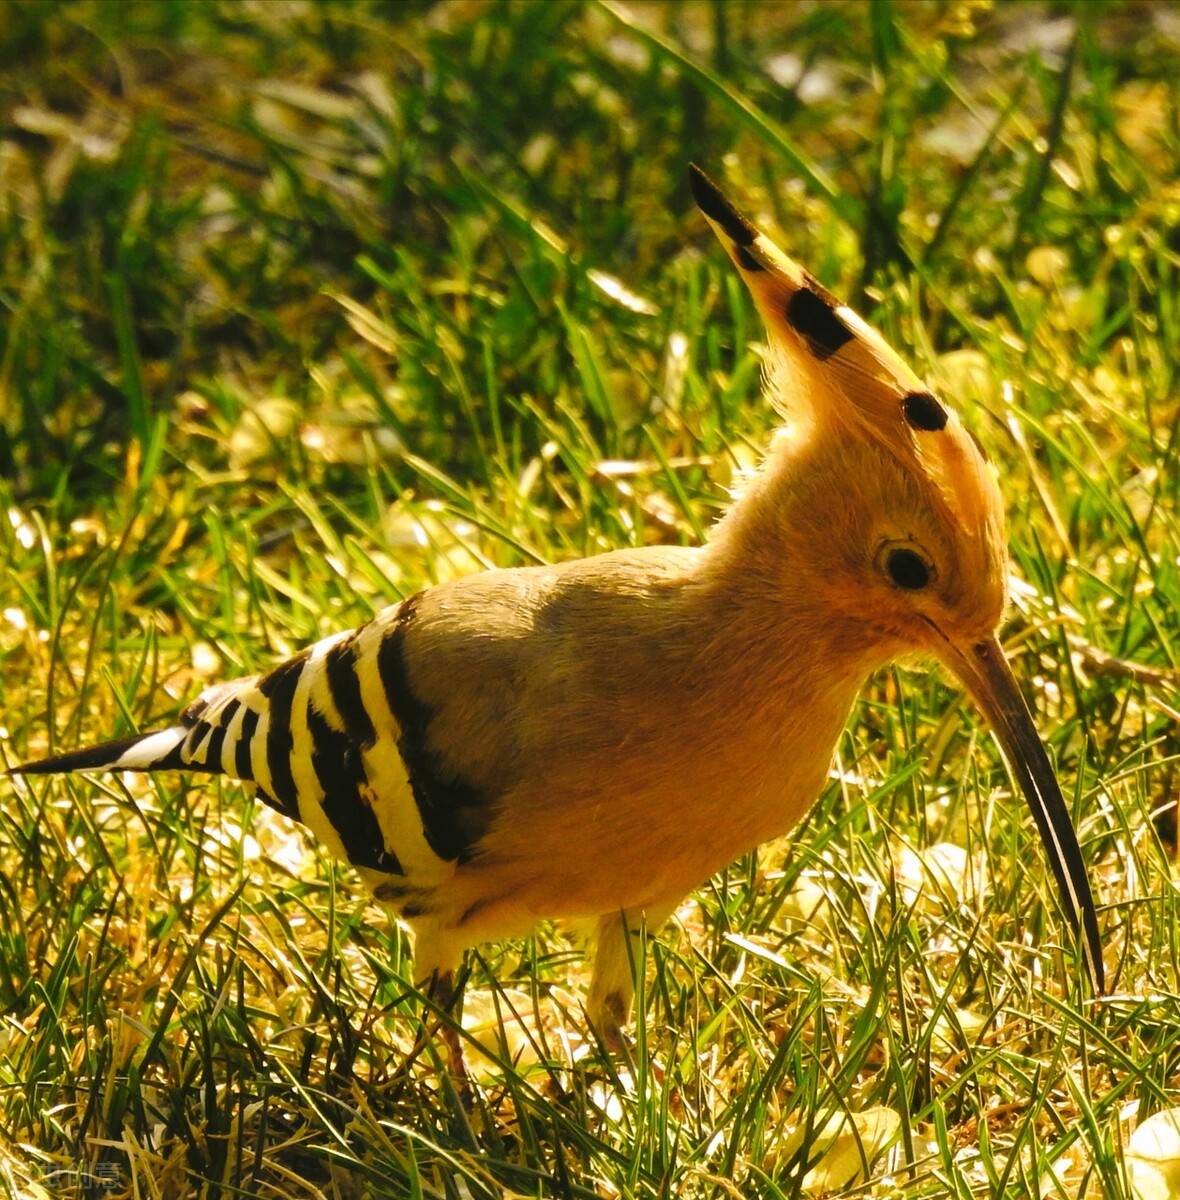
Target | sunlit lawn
(305,306)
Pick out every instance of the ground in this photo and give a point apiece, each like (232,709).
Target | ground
(308,305)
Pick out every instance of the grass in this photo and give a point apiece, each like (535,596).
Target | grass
(308,306)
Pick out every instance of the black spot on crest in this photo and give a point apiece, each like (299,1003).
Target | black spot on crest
(747,261)
(822,292)
(923,412)
(814,318)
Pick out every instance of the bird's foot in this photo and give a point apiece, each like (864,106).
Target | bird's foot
(443,994)
(607,1019)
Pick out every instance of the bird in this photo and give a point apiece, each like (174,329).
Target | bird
(590,740)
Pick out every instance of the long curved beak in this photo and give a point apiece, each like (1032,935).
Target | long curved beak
(985,672)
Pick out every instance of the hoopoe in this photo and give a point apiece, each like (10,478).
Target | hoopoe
(593,739)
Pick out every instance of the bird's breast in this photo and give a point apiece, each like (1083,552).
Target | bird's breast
(647,798)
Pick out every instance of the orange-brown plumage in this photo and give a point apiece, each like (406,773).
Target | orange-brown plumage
(593,739)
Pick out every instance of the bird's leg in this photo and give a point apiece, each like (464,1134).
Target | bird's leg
(618,955)
(436,959)
(443,992)
(440,990)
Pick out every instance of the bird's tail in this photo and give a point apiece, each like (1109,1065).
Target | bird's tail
(159,750)
(211,735)
(156,751)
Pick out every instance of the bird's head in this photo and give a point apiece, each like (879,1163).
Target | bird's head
(892,512)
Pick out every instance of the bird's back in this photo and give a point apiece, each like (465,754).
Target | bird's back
(396,743)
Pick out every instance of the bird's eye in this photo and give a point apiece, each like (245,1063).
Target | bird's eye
(907,569)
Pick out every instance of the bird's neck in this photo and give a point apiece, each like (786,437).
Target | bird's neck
(760,566)
(759,675)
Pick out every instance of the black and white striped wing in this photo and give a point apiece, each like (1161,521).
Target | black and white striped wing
(332,737)
(321,738)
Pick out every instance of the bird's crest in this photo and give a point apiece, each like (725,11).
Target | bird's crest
(829,365)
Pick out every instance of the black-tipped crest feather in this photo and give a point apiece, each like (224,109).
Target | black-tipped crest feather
(712,202)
